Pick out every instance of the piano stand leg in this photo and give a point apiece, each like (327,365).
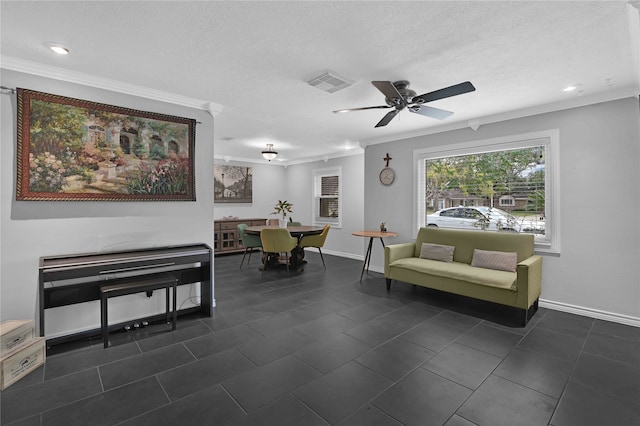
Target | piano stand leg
(104,321)
(125,287)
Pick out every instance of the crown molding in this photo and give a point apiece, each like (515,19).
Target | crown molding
(285,163)
(229,158)
(62,74)
(327,157)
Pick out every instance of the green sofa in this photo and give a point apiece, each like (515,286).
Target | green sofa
(520,289)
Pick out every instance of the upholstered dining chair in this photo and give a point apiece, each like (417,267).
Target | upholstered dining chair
(249,242)
(276,240)
(292,223)
(316,241)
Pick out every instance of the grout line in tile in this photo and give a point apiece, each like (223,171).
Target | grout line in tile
(573,368)
(233,398)
(293,395)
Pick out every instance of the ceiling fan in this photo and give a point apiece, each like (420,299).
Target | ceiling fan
(398,96)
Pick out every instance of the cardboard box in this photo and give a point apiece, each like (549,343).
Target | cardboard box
(22,361)
(14,333)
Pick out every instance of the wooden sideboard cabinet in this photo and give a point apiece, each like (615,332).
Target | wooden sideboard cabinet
(226,238)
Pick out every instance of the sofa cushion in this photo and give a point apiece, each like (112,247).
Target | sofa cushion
(438,252)
(465,241)
(459,271)
(499,260)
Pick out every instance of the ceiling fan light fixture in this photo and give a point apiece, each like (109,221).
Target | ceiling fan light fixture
(398,96)
(269,153)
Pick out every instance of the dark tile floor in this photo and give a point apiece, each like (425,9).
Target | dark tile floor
(321,348)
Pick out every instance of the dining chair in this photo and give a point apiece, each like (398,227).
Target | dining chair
(292,223)
(248,241)
(276,240)
(316,241)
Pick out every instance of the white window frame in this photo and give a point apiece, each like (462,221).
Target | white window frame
(511,201)
(550,243)
(315,205)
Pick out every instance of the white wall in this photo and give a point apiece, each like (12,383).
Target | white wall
(300,192)
(269,186)
(294,183)
(598,269)
(31,229)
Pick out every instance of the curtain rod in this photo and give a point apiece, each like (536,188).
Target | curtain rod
(13,92)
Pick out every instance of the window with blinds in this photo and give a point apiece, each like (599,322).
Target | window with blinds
(514,179)
(328,196)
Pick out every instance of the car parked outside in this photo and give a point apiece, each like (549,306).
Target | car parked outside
(489,218)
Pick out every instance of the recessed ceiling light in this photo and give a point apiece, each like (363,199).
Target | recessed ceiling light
(572,87)
(57,48)
(60,50)
(349,145)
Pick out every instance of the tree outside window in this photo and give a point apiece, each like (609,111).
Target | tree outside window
(514,179)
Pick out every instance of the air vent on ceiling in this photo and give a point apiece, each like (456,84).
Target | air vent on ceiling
(330,82)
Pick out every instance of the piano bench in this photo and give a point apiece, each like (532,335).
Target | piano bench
(132,286)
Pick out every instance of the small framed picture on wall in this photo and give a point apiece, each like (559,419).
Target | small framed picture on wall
(233,184)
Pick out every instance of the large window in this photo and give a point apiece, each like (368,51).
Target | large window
(504,185)
(327,196)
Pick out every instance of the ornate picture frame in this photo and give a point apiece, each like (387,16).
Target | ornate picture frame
(77,150)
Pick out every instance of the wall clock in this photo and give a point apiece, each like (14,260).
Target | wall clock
(387,175)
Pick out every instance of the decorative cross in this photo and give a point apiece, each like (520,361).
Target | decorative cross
(387,159)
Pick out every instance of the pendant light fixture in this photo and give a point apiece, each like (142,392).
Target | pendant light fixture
(269,153)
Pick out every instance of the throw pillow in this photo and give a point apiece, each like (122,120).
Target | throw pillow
(500,260)
(437,252)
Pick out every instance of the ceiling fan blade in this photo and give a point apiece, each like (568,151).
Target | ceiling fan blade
(388,89)
(361,109)
(447,92)
(387,118)
(428,111)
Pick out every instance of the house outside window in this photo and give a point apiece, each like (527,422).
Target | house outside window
(507,201)
(327,196)
(504,184)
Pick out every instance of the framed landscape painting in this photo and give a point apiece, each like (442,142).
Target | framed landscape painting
(232,184)
(76,150)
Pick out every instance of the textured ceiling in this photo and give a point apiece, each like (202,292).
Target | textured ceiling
(254,59)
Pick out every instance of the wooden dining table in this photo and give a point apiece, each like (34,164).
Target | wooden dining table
(295,231)
(297,254)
